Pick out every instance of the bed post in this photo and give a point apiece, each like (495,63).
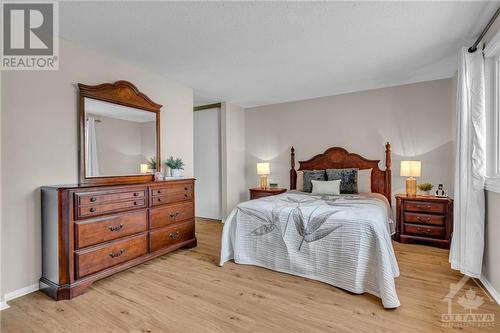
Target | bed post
(293,173)
(388,172)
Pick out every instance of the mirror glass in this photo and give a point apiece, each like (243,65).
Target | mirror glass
(119,140)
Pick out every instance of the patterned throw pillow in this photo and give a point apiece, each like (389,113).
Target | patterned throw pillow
(348,179)
(312,175)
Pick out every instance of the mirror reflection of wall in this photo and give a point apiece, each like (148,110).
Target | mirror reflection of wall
(120,140)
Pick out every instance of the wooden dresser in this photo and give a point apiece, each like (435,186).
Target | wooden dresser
(424,219)
(90,232)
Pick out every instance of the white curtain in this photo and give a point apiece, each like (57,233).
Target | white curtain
(467,244)
(92,164)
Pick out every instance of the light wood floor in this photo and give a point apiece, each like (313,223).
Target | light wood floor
(187,291)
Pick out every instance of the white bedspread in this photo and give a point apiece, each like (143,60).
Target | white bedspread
(340,240)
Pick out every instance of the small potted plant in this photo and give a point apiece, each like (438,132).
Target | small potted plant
(175,165)
(426,188)
(152,164)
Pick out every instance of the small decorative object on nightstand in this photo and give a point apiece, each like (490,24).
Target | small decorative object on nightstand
(441,192)
(424,219)
(256,193)
(425,187)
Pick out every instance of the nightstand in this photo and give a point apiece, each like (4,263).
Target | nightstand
(256,193)
(424,219)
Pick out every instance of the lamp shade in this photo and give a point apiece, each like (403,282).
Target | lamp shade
(410,168)
(263,168)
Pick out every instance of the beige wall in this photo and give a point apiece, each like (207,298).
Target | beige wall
(2,304)
(39,142)
(491,259)
(416,119)
(233,157)
(491,263)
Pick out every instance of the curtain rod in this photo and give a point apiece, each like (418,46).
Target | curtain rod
(473,48)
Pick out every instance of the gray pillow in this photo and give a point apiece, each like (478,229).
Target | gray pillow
(348,179)
(312,175)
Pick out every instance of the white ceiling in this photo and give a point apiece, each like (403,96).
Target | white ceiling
(257,53)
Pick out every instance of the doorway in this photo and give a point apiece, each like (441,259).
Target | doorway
(207,161)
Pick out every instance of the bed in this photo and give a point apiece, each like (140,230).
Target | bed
(343,240)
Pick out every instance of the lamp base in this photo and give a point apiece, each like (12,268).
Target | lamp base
(411,187)
(263,182)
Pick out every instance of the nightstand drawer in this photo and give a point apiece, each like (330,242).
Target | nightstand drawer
(256,193)
(423,206)
(430,219)
(424,230)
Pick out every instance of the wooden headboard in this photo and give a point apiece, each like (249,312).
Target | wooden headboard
(339,158)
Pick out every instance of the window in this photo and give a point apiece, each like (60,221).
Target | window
(492,78)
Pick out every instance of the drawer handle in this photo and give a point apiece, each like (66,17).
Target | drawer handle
(136,203)
(136,194)
(186,188)
(426,230)
(159,191)
(92,210)
(93,199)
(159,199)
(174,235)
(185,195)
(116,254)
(424,206)
(174,215)
(428,219)
(115,228)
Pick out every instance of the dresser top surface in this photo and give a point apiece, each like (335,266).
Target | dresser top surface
(148,183)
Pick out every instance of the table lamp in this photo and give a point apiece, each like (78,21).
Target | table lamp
(144,168)
(411,169)
(263,171)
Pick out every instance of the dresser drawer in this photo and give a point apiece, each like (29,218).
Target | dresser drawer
(168,214)
(92,198)
(422,206)
(93,210)
(424,230)
(94,260)
(171,198)
(168,236)
(430,219)
(172,188)
(91,232)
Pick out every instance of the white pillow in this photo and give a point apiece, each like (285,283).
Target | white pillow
(365,181)
(330,187)
(300,181)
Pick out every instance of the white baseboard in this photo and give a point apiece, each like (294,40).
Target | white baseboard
(4,305)
(17,293)
(494,293)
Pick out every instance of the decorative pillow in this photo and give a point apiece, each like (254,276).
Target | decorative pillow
(348,177)
(300,181)
(365,181)
(312,175)
(329,187)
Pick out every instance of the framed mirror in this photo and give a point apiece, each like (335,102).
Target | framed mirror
(119,134)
